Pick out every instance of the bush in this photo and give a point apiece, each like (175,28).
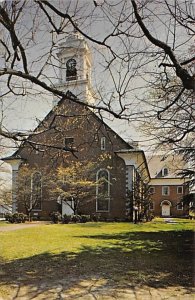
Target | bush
(16,218)
(84,218)
(66,219)
(55,217)
(8,217)
(95,217)
(75,218)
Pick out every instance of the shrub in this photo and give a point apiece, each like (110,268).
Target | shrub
(95,217)
(16,218)
(84,218)
(8,217)
(66,219)
(55,217)
(75,218)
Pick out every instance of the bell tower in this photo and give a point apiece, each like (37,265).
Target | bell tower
(75,67)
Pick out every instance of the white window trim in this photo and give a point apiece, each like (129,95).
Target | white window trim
(178,207)
(103,143)
(108,198)
(163,171)
(163,194)
(178,189)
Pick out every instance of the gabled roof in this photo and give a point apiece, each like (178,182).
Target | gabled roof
(70,96)
(173,163)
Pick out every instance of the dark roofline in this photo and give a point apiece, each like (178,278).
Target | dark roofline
(71,96)
(12,157)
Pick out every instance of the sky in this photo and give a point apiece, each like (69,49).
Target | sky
(22,113)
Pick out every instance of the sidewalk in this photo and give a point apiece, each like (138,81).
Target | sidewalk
(94,289)
(12,227)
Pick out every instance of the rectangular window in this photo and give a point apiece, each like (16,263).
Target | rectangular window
(102,204)
(69,142)
(180,190)
(165,190)
(151,190)
(165,172)
(180,206)
(103,143)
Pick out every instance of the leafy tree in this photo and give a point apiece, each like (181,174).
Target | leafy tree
(5,196)
(76,184)
(29,188)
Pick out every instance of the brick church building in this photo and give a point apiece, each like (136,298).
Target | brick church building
(73,132)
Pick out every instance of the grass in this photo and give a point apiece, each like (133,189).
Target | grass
(4,223)
(153,254)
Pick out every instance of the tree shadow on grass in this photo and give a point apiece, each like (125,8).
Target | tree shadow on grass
(154,259)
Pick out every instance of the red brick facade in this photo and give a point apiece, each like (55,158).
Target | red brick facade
(72,120)
(168,195)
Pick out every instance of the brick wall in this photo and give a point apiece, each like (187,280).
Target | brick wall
(173,197)
(73,120)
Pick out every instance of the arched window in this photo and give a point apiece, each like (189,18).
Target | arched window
(71,71)
(103,190)
(36,191)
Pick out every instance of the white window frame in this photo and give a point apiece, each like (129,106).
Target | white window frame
(163,171)
(181,203)
(168,190)
(178,189)
(103,143)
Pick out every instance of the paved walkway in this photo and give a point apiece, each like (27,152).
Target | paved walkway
(94,289)
(12,227)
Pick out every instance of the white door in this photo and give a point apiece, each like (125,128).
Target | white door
(165,210)
(66,208)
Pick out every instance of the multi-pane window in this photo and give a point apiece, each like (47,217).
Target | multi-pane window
(103,191)
(165,190)
(36,191)
(180,190)
(180,206)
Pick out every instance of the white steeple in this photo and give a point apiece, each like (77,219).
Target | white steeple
(75,67)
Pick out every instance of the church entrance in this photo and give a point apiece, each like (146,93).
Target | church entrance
(166,208)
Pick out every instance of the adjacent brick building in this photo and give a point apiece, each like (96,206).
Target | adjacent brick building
(167,186)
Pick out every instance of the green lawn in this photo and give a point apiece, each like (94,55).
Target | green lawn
(155,254)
